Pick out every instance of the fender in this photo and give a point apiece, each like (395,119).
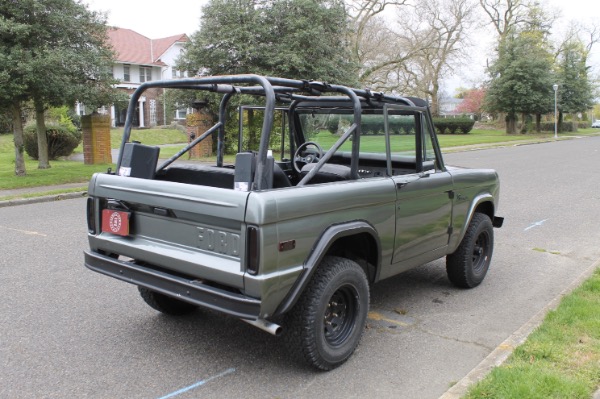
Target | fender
(455,240)
(322,246)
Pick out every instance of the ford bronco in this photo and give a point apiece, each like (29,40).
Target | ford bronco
(343,188)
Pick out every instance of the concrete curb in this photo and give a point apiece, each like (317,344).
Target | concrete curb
(45,198)
(503,351)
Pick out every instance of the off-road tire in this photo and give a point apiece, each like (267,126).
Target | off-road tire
(468,265)
(165,304)
(327,323)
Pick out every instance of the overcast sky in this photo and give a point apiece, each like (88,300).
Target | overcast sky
(163,19)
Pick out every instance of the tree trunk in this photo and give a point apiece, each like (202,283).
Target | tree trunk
(560,121)
(42,139)
(435,104)
(511,123)
(17,123)
(538,123)
(523,123)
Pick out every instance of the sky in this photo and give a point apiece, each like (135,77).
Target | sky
(183,16)
(152,19)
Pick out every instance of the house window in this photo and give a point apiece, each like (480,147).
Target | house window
(178,74)
(145,74)
(126,74)
(180,113)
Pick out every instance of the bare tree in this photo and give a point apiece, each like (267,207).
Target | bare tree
(505,15)
(370,39)
(384,52)
(437,36)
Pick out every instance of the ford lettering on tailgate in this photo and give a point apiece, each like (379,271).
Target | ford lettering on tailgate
(219,241)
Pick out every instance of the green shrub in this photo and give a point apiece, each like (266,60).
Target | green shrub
(453,125)
(62,140)
(566,127)
(372,124)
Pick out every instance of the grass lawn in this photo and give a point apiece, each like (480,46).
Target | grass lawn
(61,172)
(560,359)
(65,171)
(149,136)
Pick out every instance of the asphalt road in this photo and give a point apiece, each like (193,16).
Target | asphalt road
(68,332)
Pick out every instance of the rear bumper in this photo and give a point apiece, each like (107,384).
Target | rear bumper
(192,291)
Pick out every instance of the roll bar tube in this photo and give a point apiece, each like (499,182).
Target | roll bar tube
(272,89)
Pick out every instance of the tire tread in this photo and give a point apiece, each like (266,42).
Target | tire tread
(300,336)
(458,265)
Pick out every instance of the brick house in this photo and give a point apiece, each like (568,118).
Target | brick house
(138,60)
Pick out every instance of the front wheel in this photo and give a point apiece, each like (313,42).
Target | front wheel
(468,265)
(326,324)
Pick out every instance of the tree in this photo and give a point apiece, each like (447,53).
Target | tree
(428,41)
(575,93)
(473,101)
(522,74)
(53,52)
(309,39)
(505,15)
(303,39)
(521,80)
(370,41)
(443,25)
(576,87)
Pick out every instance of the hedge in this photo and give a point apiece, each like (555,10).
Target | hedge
(566,127)
(61,141)
(372,124)
(453,125)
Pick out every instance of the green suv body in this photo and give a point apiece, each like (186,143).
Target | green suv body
(332,190)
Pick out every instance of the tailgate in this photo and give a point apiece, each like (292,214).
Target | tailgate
(189,229)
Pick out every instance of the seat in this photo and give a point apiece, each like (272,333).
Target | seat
(329,172)
(280,179)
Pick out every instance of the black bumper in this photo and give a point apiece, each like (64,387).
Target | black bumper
(177,287)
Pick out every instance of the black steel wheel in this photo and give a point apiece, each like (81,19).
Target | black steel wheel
(165,304)
(469,264)
(326,324)
(340,315)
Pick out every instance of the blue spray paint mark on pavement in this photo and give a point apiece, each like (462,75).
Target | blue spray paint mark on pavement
(536,224)
(198,384)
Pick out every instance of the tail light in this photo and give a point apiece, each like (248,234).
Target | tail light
(252,250)
(91,215)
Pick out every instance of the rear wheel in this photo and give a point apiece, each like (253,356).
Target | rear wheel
(469,264)
(165,304)
(326,324)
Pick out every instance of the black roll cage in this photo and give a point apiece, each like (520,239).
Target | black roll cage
(274,90)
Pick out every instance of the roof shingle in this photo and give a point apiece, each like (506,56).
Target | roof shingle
(131,47)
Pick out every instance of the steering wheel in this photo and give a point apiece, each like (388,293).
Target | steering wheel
(310,156)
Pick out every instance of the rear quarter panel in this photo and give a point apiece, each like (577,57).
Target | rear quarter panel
(302,214)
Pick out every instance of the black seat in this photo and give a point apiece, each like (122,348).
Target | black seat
(280,179)
(329,172)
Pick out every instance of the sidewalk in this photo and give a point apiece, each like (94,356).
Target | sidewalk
(20,196)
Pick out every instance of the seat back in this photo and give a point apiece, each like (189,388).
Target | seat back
(329,172)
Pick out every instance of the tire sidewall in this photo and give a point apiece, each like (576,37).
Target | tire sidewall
(483,226)
(350,277)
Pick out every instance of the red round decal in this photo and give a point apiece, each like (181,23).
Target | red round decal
(115,222)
